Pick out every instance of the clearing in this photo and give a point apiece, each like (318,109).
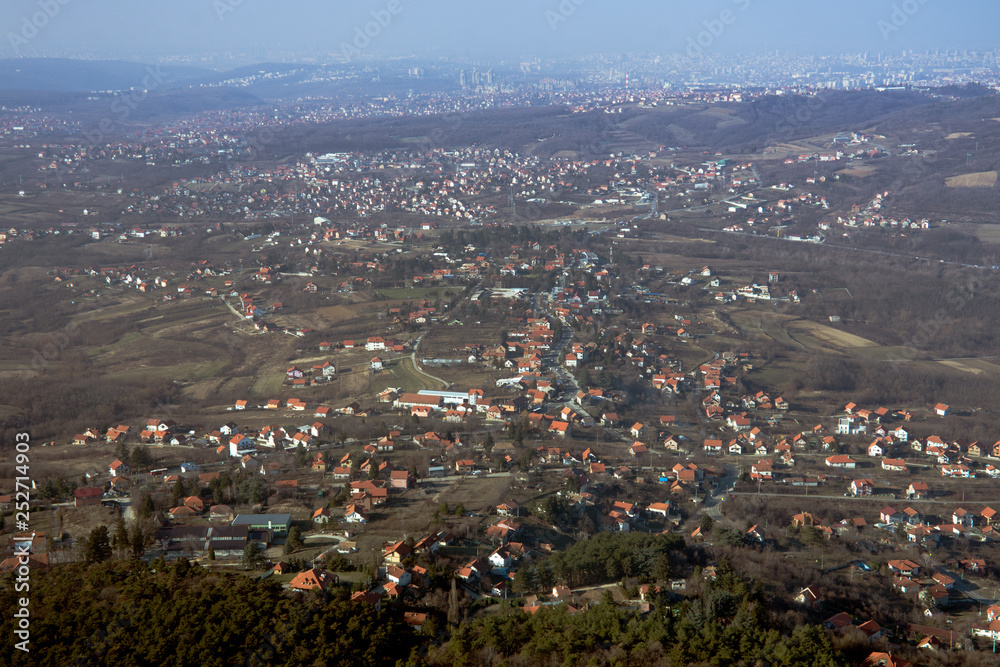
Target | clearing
(982,179)
(832,336)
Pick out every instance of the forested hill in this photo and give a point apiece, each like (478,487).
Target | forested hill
(123,613)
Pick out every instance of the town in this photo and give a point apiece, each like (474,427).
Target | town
(732,374)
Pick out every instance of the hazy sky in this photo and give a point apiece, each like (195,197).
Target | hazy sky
(499,29)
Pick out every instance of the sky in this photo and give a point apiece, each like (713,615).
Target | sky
(494,29)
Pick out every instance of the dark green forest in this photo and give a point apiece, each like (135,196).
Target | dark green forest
(127,613)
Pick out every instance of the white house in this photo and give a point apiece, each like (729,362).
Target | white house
(240,445)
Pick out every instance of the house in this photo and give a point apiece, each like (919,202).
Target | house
(807,596)
(87,495)
(400,479)
(712,446)
(376,364)
(396,552)
(353,514)
(862,487)
(221,513)
(917,490)
(895,465)
(762,470)
(889,515)
(312,578)
(875,450)
(851,425)
(880,659)
(840,461)
(942,410)
(962,517)
(560,428)
(117,467)
(838,621)
(663,509)
(321,515)
(872,629)
(913,516)
(501,557)
(415,620)
(509,508)
(905,568)
(638,430)
(241,445)
(756,534)
(398,575)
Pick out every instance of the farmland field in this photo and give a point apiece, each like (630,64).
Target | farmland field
(835,337)
(974,366)
(983,179)
(409,379)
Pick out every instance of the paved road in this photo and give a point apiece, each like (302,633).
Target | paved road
(413,359)
(713,502)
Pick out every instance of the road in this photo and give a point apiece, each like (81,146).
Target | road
(413,359)
(713,501)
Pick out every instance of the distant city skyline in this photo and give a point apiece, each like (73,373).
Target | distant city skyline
(500,31)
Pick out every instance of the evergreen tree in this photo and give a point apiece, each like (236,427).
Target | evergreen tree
(97,546)
(137,542)
(120,539)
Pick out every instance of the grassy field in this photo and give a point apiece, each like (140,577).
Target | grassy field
(408,379)
(419,293)
(476,493)
(982,179)
(767,326)
(974,366)
(829,335)
(184,372)
(267,385)
(858,172)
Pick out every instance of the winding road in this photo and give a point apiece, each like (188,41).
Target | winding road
(413,360)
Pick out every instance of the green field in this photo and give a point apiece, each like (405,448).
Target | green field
(188,371)
(268,385)
(418,292)
(408,379)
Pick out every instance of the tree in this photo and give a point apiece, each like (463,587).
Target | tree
(707,523)
(178,493)
(293,541)
(120,539)
(142,459)
(253,558)
(123,452)
(148,507)
(137,542)
(460,510)
(97,547)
